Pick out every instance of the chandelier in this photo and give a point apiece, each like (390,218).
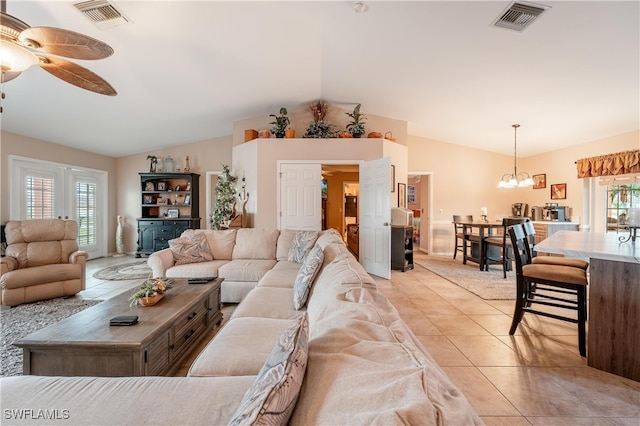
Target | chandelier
(511,180)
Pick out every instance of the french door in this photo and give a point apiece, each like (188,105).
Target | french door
(41,190)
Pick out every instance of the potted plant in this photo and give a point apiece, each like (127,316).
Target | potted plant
(280,124)
(356,125)
(151,291)
(319,129)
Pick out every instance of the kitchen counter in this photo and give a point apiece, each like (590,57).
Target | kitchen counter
(614,297)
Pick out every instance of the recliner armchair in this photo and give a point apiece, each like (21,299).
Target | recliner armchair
(42,261)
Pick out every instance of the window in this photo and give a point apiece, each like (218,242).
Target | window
(39,197)
(620,198)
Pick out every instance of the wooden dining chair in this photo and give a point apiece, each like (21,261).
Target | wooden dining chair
(458,232)
(502,253)
(556,286)
(530,233)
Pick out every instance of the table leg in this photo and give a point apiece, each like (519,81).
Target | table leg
(483,259)
(464,245)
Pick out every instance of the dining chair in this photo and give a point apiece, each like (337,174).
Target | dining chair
(458,232)
(556,286)
(502,253)
(530,233)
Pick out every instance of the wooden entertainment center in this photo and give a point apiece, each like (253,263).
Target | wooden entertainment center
(85,345)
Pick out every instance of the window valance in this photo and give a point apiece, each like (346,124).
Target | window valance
(619,163)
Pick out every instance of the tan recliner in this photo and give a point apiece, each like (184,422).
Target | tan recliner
(42,261)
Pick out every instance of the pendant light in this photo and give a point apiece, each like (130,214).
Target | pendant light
(521,179)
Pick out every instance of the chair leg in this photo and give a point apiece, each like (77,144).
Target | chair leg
(455,249)
(582,319)
(518,312)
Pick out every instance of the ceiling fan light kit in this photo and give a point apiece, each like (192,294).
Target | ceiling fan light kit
(22,46)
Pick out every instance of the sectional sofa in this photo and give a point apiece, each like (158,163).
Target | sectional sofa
(312,343)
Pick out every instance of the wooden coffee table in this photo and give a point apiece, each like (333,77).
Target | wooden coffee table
(85,345)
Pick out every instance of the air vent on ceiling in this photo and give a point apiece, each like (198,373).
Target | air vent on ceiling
(102,13)
(520,15)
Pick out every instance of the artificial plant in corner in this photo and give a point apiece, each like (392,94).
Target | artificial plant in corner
(356,125)
(225,198)
(280,124)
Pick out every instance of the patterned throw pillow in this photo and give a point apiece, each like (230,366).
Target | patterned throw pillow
(272,397)
(307,273)
(301,244)
(190,248)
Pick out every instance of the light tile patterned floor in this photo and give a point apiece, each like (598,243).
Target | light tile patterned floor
(533,378)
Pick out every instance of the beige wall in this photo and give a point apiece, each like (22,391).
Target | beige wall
(203,156)
(464,179)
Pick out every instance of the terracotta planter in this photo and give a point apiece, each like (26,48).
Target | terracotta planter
(151,300)
(290,133)
(265,134)
(345,135)
(250,135)
(375,135)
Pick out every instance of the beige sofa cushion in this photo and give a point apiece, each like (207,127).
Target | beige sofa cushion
(240,348)
(245,269)
(273,395)
(267,302)
(283,277)
(254,243)
(121,400)
(284,244)
(196,270)
(329,236)
(221,242)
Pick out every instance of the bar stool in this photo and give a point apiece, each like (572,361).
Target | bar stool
(549,285)
(530,232)
(503,245)
(458,232)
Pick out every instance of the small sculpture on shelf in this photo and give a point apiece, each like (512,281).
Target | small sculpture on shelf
(154,162)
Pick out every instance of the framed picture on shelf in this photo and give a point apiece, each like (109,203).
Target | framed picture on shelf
(187,199)
(147,199)
(162,186)
(149,186)
(558,191)
(173,213)
(402,195)
(539,181)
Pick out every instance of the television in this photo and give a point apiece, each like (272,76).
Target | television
(401,216)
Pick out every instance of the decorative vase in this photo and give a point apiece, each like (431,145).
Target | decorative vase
(119,238)
(169,165)
(265,134)
(250,135)
(290,133)
(151,300)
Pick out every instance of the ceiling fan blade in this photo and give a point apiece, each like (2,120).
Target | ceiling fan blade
(76,75)
(65,43)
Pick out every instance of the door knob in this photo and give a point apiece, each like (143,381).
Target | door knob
(385,224)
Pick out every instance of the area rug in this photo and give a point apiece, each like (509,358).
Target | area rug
(124,271)
(22,320)
(489,285)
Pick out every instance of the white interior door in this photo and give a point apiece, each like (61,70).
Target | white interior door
(300,196)
(375,217)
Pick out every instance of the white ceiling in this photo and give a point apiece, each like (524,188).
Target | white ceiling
(186,70)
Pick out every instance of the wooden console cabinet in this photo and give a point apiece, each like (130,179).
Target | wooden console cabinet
(85,345)
(169,205)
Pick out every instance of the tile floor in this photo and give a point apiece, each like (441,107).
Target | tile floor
(533,378)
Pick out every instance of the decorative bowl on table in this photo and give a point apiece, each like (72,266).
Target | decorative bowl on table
(150,292)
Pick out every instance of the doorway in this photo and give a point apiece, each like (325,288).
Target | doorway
(419,200)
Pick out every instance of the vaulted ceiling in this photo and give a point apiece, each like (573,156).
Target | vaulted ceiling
(186,70)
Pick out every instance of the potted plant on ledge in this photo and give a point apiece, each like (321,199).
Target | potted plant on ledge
(319,129)
(280,124)
(356,126)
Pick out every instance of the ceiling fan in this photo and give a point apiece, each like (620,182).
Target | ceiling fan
(22,46)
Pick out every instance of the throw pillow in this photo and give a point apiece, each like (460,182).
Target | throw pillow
(190,248)
(302,244)
(272,397)
(307,273)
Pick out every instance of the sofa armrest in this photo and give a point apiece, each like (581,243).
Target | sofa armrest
(80,257)
(160,261)
(8,264)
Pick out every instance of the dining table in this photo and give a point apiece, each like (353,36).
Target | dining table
(474,240)
(613,340)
